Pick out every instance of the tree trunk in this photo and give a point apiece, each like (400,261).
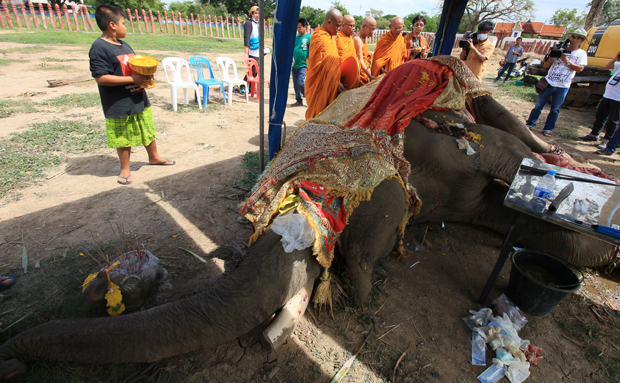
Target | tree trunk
(595,13)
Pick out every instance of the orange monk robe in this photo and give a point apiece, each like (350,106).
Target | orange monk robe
(367,60)
(323,72)
(390,53)
(346,49)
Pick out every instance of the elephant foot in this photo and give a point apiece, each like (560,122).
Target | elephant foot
(360,274)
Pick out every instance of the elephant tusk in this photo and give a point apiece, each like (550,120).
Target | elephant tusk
(283,325)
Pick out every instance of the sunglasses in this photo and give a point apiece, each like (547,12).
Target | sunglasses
(350,25)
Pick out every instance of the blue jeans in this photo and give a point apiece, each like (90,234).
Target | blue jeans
(557,96)
(299,83)
(510,67)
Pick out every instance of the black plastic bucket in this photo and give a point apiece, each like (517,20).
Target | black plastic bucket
(539,282)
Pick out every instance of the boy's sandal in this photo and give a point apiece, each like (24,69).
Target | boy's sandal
(127,182)
(546,133)
(604,152)
(4,286)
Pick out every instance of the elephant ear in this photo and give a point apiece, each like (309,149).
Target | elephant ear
(129,285)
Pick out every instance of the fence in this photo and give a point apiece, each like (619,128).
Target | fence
(538,46)
(55,15)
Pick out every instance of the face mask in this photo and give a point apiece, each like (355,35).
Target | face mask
(482,36)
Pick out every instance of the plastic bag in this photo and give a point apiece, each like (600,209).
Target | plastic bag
(295,231)
(478,350)
(503,305)
(492,374)
(464,144)
(517,372)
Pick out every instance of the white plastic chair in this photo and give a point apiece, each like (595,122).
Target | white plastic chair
(177,66)
(223,66)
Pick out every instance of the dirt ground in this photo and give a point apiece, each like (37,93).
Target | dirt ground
(412,322)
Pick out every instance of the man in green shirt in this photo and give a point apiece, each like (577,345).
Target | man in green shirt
(300,54)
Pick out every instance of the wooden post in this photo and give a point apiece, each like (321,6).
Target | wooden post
(8,15)
(167,25)
(161,30)
(2,16)
(59,16)
(65,12)
(180,23)
(138,21)
(216,28)
(130,20)
(25,15)
(88,18)
(227,27)
(222,25)
(187,26)
(152,21)
(17,20)
(200,26)
(232,26)
(35,19)
(75,20)
(146,21)
(174,22)
(239,27)
(50,10)
(191,15)
(210,27)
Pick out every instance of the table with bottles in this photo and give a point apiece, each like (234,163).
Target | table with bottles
(593,201)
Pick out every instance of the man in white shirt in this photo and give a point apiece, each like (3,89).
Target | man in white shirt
(559,77)
(608,110)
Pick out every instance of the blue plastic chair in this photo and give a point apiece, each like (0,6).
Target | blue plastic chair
(198,64)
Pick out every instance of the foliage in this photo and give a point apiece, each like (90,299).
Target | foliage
(571,18)
(383,23)
(242,7)
(315,16)
(611,12)
(152,5)
(339,6)
(250,162)
(375,13)
(187,7)
(494,10)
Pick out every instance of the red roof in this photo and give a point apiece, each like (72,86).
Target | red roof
(538,27)
(552,31)
(504,26)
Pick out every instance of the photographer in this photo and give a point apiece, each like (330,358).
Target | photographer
(563,68)
(479,49)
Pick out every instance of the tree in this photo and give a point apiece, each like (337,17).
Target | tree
(374,13)
(431,21)
(314,16)
(153,5)
(339,6)
(242,7)
(594,15)
(498,10)
(570,18)
(610,12)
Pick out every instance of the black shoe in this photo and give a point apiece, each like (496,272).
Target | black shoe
(589,137)
(298,103)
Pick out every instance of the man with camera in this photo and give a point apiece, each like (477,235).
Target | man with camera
(477,49)
(565,61)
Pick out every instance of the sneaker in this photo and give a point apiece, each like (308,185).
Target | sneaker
(496,80)
(589,137)
(601,146)
(604,140)
(604,152)
(298,103)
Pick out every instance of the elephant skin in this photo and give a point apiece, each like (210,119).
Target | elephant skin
(452,185)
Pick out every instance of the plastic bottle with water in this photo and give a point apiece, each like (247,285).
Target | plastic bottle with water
(543,192)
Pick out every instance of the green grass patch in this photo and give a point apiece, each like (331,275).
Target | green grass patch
(25,156)
(58,60)
(139,42)
(28,49)
(74,100)
(251,163)
(67,68)
(7,62)
(9,107)
(525,93)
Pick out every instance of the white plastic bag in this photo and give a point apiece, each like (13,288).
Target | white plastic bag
(295,231)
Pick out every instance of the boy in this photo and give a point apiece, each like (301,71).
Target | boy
(126,106)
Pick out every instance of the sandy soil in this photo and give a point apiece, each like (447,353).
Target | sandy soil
(412,323)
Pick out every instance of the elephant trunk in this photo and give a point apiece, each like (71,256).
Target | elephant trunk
(240,301)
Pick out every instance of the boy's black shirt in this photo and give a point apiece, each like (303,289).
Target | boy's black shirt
(121,100)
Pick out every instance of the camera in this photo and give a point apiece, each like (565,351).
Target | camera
(469,35)
(559,48)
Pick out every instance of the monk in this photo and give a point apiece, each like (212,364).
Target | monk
(323,72)
(345,44)
(391,50)
(369,24)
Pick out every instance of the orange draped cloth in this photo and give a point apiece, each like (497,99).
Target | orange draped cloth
(323,72)
(367,60)
(346,49)
(390,53)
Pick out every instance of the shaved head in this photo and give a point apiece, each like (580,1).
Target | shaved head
(369,21)
(397,25)
(333,21)
(348,25)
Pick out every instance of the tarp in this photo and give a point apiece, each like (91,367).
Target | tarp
(284,32)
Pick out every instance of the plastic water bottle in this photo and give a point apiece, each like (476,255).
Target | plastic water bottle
(543,191)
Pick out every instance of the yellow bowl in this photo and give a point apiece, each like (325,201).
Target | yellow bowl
(144,65)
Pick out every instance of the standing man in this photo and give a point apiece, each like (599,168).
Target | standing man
(512,55)
(369,24)
(476,55)
(608,110)
(323,81)
(417,46)
(251,39)
(345,44)
(391,50)
(300,55)
(559,77)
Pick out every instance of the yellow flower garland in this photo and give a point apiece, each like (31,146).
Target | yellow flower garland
(113,298)
(88,281)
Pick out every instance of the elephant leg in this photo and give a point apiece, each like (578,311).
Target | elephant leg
(371,234)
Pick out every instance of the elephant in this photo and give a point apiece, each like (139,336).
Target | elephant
(452,185)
